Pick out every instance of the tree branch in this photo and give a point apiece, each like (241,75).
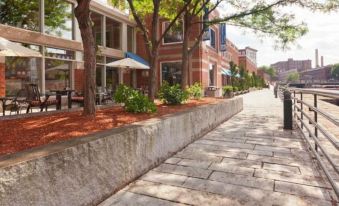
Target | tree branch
(141,26)
(181,11)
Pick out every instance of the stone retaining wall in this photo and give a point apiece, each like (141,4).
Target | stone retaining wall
(87,170)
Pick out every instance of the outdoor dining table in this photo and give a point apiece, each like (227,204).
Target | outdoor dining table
(3,100)
(58,95)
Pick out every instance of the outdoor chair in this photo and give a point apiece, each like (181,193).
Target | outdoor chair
(106,94)
(34,98)
(78,98)
(18,103)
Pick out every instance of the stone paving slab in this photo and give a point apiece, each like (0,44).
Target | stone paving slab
(182,170)
(248,160)
(132,199)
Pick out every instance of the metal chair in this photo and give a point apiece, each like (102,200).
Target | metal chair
(34,98)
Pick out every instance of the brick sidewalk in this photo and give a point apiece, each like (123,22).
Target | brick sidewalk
(248,160)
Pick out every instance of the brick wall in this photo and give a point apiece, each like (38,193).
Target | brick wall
(201,59)
(247,64)
(79,78)
(2,80)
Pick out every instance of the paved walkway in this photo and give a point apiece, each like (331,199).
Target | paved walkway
(248,160)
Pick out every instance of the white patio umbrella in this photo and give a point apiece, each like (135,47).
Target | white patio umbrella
(11,49)
(128,63)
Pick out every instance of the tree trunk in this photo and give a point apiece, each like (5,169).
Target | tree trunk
(184,64)
(153,76)
(153,84)
(185,52)
(82,13)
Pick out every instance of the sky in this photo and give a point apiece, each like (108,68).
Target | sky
(323,34)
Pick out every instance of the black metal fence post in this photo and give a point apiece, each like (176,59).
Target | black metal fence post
(276,90)
(288,117)
(315,119)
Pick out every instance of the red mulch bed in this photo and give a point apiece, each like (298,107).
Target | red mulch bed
(21,134)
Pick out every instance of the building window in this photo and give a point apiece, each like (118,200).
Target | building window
(113,34)
(57,74)
(99,74)
(59,53)
(130,38)
(59,18)
(174,35)
(112,78)
(20,13)
(22,70)
(58,67)
(171,72)
(212,75)
(97,20)
(212,42)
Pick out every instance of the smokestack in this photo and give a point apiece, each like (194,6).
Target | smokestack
(316,58)
(322,61)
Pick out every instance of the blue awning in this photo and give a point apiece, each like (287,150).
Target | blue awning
(226,72)
(136,58)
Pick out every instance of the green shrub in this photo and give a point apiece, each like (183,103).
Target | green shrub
(235,89)
(134,101)
(195,91)
(123,93)
(172,94)
(139,103)
(227,89)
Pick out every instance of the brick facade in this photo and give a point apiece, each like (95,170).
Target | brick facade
(200,62)
(79,78)
(2,80)
(247,64)
(317,74)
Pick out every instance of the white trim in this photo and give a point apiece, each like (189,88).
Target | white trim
(162,62)
(215,75)
(163,39)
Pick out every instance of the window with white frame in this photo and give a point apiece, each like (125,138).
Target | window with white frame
(212,75)
(175,34)
(171,72)
(212,40)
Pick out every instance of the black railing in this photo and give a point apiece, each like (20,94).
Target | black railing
(309,124)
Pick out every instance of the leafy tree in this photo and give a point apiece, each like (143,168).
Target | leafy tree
(242,77)
(293,77)
(82,13)
(25,14)
(335,72)
(247,78)
(269,70)
(265,18)
(147,14)
(234,72)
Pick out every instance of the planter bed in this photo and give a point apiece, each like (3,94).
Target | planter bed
(87,170)
(36,130)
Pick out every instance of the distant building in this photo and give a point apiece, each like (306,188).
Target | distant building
(264,75)
(248,59)
(285,68)
(319,74)
(291,64)
(283,76)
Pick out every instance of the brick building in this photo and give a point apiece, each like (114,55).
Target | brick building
(248,59)
(290,64)
(320,74)
(209,65)
(264,75)
(59,42)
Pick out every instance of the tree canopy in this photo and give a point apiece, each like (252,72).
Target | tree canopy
(335,72)
(293,77)
(269,70)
